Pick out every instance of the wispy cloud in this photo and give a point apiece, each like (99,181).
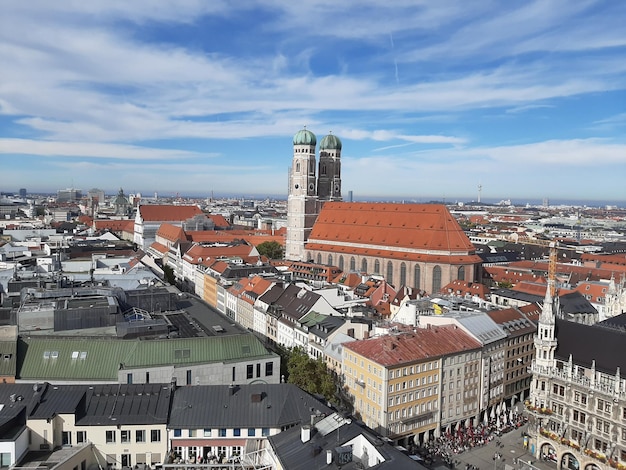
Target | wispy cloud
(125,82)
(49,148)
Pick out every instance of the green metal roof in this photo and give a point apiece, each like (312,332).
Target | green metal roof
(330,142)
(304,137)
(100,359)
(8,358)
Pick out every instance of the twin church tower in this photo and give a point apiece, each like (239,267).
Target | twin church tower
(307,191)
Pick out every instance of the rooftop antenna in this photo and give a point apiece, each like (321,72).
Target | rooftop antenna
(480,190)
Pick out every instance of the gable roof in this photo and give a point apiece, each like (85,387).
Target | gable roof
(418,345)
(242,406)
(172,233)
(418,231)
(167,212)
(605,346)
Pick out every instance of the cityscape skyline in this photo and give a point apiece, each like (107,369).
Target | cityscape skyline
(430,100)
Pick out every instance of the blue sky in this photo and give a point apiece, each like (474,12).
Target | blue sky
(430,98)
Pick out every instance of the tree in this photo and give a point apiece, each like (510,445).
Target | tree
(310,374)
(273,249)
(168,272)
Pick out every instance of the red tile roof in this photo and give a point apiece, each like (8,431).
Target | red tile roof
(424,233)
(115,225)
(422,228)
(171,233)
(254,237)
(159,247)
(198,253)
(219,220)
(416,346)
(465,287)
(158,212)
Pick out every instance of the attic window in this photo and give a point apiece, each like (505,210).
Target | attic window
(74,354)
(83,354)
(182,353)
(245,349)
(46,354)
(54,354)
(6,357)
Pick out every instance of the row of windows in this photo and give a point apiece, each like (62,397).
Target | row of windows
(409,397)
(221,432)
(125,436)
(410,384)
(436,273)
(406,371)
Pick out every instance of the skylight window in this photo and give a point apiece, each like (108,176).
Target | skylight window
(83,354)
(74,354)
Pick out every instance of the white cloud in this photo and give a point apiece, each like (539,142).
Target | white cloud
(92,150)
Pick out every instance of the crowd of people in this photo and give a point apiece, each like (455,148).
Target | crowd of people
(461,438)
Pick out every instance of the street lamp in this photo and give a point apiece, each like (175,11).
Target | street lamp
(497,456)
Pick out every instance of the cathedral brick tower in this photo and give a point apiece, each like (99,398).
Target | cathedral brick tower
(308,191)
(329,178)
(302,198)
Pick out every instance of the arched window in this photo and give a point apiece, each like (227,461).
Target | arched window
(403,274)
(364,265)
(297,167)
(389,277)
(376,267)
(416,276)
(436,280)
(341,262)
(352,263)
(319,258)
(330,260)
(309,257)
(461,275)
(323,169)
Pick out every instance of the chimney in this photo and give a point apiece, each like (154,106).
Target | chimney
(173,384)
(305,434)
(329,457)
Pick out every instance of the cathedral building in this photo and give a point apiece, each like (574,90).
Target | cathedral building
(416,245)
(309,190)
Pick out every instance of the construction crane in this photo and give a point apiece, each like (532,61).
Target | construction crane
(554,247)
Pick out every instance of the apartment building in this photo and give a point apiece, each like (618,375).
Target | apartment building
(395,380)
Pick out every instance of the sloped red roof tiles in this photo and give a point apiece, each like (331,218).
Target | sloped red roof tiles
(421,344)
(158,212)
(412,232)
(115,225)
(171,232)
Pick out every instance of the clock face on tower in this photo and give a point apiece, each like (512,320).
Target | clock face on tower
(311,187)
(336,188)
(297,186)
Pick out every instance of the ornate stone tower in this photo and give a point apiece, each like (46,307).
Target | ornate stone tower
(545,347)
(329,175)
(302,195)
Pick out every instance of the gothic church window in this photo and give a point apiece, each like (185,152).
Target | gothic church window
(352,263)
(389,272)
(319,258)
(403,274)
(364,265)
(461,275)
(341,262)
(376,267)
(330,260)
(436,280)
(297,167)
(416,276)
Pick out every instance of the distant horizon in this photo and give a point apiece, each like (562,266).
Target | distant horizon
(448,200)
